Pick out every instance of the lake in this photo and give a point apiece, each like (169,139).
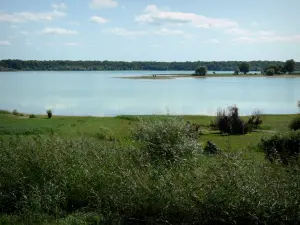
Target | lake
(101,94)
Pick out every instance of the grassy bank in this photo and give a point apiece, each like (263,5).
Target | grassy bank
(89,170)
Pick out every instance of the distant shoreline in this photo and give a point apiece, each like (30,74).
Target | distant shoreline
(174,76)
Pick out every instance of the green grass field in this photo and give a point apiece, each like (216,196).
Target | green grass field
(118,170)
(121,126)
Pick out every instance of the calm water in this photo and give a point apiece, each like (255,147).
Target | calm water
(100,94)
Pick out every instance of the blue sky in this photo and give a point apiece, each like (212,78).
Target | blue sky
(158,30)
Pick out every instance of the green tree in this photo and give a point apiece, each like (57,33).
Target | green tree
(201,71)
(290,65)
(244,67)
(270,72)
(237,71)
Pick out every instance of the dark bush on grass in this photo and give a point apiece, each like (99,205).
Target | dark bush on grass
(295,123)
(49,113)
(15,112)
(211,148)
(32,116)
(255,120)
(229,121)
(165,139)
(282,146)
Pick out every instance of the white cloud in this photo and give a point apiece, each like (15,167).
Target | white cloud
(124,32)
(59,6)
(165,31)
(267,38)
(241,31)
(155,16)
(4,43)
(97,4)
(212,41)
(58,31)
(30,16)
(72,44)
(98,19)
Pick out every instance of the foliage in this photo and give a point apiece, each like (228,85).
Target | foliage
(15,112)
(290,65)
(244,67)
(282,146)
(49,113)
(13,64)
(270,72)
(237,71)
(229,121)
(165,140)
(255,120)
(211,148)
(79,181)
(32,116)
(295,123)
(4,112)
(201,71)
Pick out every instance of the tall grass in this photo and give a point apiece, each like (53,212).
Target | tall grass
(80,181)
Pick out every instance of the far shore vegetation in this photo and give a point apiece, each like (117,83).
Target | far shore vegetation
(223,169)
(288,69)
(67,65)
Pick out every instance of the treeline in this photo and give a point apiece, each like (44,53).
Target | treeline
(65,65)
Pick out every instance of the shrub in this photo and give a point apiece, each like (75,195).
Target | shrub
(201,71)
(282,146)
(165,140)
(4,112)
(295,123)
(49,113)
(230,122)
(270,72)
(237,71)
(15,112)
(32,116)
(211,148)
(255,120)
(79,181)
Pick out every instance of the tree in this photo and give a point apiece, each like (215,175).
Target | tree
(270,72)
(244,67)
(237,71)
(201,71)
(290,65)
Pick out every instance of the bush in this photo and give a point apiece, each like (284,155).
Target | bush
(32,116)
(295,123)
(282,146)
(49,113)
(211,148)
(201,71)
(165,140)
(229,121)
(15,112)
(79,181)
(255,120)
(237,71)
(4,112)
(270,72)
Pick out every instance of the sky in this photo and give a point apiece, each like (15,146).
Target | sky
(150,30)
